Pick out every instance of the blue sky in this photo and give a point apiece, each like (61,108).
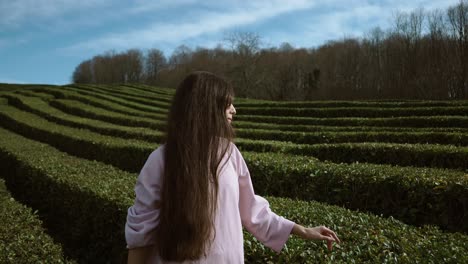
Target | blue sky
(42,41)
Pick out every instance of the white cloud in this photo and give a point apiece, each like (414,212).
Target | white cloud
(143,6)
(350,19)
(59,15)
(14,13)
(207,22)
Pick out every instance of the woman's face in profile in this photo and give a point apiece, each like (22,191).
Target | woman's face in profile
(230,112)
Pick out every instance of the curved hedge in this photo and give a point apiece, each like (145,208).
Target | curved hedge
(363,239)
(110,97)
(457,139)
(82,202)
(118,100)
(132,90)
(381,153)
(16,87)
(319,128)
(129,97)
(339,103)
(152,89)
(437,121)
(128,156)
(52,114)
(99,100)
(397,154)
(44,110)
(96,237)
(126,89)
(414,195)
(419,155)
(355,111)
(22,237)
(80,109)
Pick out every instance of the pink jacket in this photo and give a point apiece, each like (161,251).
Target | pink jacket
(237,206)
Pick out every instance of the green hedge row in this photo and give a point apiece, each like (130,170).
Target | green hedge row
(99,207)
(356,122)
(155,106)
(427,121)
(127,154)
(296,128)
(44,110)
(416,210)
(327,137)
(107,102)
(32,93)
(419,155)
(130,90)
(118,88)
(80,109)
(337,122)
(82,202)
(85,100)
(153,89)
(305,128)
(414,195)
(118,105)
(122,101)
(15,87)
(458,139)
(387,241)
(330,112)
(380,153)
(22,237)
(132,98)
(100,100)
(314,128)
(380,103)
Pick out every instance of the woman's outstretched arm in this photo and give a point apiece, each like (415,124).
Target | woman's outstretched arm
(316,233)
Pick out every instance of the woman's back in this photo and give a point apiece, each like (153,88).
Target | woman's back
(237,206)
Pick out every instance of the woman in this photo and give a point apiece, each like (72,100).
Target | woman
(194,193)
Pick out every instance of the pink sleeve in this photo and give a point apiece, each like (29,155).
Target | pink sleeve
(143,216)
(269,228)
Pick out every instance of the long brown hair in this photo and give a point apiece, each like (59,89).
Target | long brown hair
(198,134)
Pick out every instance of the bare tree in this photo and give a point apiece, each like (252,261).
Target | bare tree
(373,46)
(154,63)
(245,47)
(133,66)
(180,57)
(244,43)
(408,30)
(436,59)
(458,19)
(423,56)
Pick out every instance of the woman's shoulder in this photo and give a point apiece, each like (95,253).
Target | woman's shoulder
(159,150)
(235,154)
(157,155)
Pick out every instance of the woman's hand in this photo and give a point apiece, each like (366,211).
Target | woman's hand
(316,233)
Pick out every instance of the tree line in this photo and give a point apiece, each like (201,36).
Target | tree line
(424,55)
